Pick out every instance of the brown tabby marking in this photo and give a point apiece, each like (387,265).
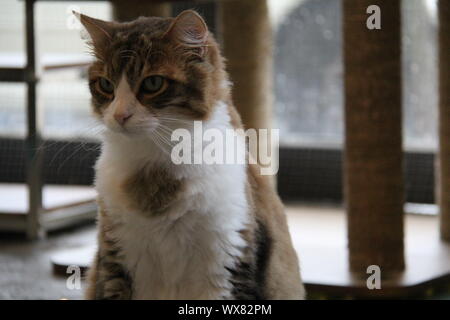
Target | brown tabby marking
(112,281)
(151,191)
(143,47)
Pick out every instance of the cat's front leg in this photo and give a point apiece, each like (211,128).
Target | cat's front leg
(107,279)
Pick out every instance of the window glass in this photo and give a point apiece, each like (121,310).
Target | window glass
(63,95)
(308,72)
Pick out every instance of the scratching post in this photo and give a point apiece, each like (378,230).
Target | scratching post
(373,143)
(132,9)
(443,172)
(247,46)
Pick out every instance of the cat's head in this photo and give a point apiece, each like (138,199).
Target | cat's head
(153,73)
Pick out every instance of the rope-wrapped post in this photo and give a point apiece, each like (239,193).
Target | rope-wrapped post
(443,172)
(373,164)
(247,45)
(132,9)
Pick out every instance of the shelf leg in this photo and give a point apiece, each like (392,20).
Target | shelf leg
(443,169)
(33,144)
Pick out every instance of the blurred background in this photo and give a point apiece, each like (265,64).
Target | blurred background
(308,108)
(307,61)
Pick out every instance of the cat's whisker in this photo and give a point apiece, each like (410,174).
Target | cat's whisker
(164,139)
(174,118)
(93,129)
(166,129)
(66,144)
(157,140)
(77,149)
(174,122)
(177,120)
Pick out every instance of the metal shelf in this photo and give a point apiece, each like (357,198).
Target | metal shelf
(33,222)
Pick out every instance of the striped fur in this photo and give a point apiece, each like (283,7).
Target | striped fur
(171,231)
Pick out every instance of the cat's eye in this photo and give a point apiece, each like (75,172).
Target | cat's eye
(105,85)
(153,84)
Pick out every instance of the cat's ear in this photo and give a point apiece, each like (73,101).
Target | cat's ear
(99,31)
(189,29)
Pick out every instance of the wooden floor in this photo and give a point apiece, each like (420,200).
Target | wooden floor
(319,235)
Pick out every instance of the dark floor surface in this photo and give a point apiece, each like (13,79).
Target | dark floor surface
(26,270)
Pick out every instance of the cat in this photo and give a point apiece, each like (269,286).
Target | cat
(177,231)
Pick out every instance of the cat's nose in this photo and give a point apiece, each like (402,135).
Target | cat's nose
(122,117)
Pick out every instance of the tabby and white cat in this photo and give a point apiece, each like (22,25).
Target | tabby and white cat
(170,231)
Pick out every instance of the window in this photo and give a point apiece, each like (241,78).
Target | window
(308,72)
(63,100)
(308,88)
(309,101)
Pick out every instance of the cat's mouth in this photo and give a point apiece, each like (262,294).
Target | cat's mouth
(133,129)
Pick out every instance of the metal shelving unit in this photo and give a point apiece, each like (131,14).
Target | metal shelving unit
(32,222)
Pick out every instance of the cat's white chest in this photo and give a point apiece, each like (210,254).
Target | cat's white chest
(184,253)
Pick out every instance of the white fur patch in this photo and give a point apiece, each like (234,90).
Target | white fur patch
(182,254)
